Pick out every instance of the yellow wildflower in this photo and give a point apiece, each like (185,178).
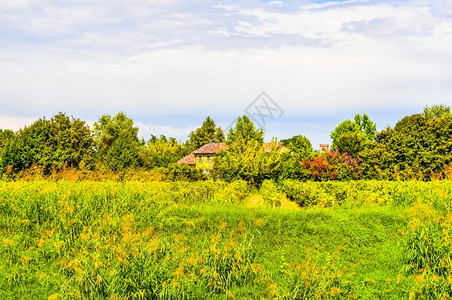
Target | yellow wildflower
(53,296)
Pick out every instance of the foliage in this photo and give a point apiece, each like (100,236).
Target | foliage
(333,166)
(346,126)
(50,144)
(206,134)
(417,148)
(117,143)
(160,152)
(175,172)
(367,126)
(244,132)
(352,136)
(5,136)
(351,143)
(436,111)
(270,193)
(250,162)
(299,146)
(196,240)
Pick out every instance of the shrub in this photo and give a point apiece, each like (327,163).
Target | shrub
(333,166)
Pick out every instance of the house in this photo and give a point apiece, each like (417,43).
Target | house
(324,147)
(203,157)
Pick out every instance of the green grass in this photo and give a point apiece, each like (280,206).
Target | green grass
(135,240)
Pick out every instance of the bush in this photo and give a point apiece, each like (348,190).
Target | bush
(333,166)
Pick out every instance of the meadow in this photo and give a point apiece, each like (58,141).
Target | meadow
(217,240)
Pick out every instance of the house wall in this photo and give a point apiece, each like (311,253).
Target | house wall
(204,164)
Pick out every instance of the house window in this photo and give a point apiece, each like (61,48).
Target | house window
(208,158)
(199,158)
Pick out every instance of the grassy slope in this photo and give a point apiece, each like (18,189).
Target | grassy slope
(368,238)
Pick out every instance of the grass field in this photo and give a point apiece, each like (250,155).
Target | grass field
(214,240)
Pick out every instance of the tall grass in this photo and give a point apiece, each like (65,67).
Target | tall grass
(179,240)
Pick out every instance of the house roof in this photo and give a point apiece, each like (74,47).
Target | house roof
(189,160)
(269,145)
(211,148)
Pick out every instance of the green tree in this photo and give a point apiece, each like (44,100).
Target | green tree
(50,144)
(351,143)
(160,152)
(351,136)
(5,136)
(244,132)
(117,143)
(300,147)
(207,133)
(246,156)
(417,148)
(252,163)
(366,126)
(436,111)
(346,126)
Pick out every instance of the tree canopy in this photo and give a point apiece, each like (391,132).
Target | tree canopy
(207,133)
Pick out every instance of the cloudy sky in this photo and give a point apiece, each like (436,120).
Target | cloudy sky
(168,64)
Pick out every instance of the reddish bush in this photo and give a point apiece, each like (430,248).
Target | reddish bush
(333,166)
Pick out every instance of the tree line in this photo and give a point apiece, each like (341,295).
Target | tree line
(418,147)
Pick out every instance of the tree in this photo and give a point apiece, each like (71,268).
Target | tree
(351,143)
(419,147)
(50,144)
(5,136)
(436,111)
(252,163)
(246,156)
(160,152)
(300,147)
(207,133)
(346,126)
(351,136)
(117,143)
(244,132)
(366,125)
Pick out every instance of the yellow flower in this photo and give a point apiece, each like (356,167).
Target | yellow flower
(334,291)
(258,222)
(7,242)
(215,275)
(419,278)
(229,294)
(40,242)
(26,260)
(41,276)
(53,296)
(400,277)
(241,226)
(24,221)
(223,225)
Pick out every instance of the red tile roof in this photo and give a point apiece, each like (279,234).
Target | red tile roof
(211,148)
(189,160)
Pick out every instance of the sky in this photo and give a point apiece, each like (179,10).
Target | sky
(170,64)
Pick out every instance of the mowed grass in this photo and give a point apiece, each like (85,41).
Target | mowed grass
(136,240)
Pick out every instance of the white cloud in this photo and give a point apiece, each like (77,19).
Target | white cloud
(145,131)
(197,58)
